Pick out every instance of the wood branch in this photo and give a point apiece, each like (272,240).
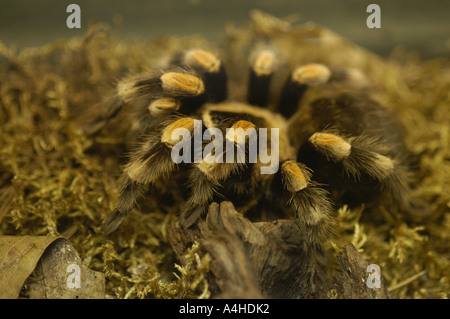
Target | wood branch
(253,260)
(268,259)
(352,280)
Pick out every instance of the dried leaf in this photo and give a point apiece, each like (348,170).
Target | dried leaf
(58,270)
(19,256)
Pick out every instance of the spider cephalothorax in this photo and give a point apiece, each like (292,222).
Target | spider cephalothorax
(342,145)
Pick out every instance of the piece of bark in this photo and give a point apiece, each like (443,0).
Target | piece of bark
(181,240)
(352,280)
(232,271)
(252,260)
(231,275)
(269,259)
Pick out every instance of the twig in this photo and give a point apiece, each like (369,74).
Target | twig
(407,281)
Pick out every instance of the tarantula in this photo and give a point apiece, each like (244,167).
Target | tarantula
(343,146)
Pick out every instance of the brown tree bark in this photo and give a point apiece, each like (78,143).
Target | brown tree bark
(268,259)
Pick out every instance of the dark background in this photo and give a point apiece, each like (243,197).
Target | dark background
(421,25)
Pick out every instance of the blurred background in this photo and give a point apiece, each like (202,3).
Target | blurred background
(419,25)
